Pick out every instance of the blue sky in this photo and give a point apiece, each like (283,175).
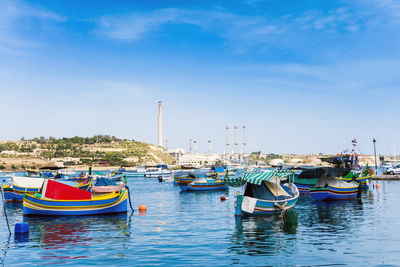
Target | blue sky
(303,76)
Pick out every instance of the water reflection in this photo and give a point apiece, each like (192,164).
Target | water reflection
(4,250)
(56,234)
(14,208)
(262,236)
(190,200)
(339,214)
(290,221)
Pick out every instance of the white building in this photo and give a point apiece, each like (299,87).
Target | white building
(197,159)
(176,153)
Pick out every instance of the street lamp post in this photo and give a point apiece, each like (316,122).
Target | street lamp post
(376,167)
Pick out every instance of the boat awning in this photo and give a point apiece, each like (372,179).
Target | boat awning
(258,177)
(27,182)
(234,181)
(255,177)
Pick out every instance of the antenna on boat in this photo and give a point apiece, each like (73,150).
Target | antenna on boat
(376,167)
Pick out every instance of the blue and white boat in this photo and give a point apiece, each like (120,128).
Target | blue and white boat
(329,188)
(140,171)
(160,171)
(202,183)
(263,193)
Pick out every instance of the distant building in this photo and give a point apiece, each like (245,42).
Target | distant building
(198,159)
(235,158)
(176,153)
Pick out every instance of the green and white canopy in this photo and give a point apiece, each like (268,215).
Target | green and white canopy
(255,177)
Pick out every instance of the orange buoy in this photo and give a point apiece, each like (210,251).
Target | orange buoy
(142,208)
(378,186)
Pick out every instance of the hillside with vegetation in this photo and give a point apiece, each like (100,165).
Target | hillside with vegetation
(79,152)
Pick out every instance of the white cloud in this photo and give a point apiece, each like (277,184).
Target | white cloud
(331,21)
(226,25)
(241,30)
(14,17)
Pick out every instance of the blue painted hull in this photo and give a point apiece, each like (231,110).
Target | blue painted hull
(203,188)
(331,193)
(11,196)
(267,207)
(134,174)
(111,203)
(271,206)
(79,180)
(303,188)
(121,207)
(116,177)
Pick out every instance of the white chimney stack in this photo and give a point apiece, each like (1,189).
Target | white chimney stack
(159,123)
(195,146)
(209,147)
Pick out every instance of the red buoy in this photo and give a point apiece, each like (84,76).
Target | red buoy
(223,198)
(142,208)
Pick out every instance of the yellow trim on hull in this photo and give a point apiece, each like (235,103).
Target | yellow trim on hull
(122,195)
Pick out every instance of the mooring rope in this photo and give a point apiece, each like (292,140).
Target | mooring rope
(129,196)
(5,211)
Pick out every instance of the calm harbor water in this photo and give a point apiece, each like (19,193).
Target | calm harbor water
(182,228)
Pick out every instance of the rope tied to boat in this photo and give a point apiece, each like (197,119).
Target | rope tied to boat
(4,207)
(129,197)
(280,206)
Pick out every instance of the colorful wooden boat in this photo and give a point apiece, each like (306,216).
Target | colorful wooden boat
(331,189)
(63,200)
(104,185)
(76,179)
(306,179)
(107,189)
(116,176)
(364,178)
(203,184)
(264,194)
(28,185)
(218,172)
(184,178)
(138,172)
